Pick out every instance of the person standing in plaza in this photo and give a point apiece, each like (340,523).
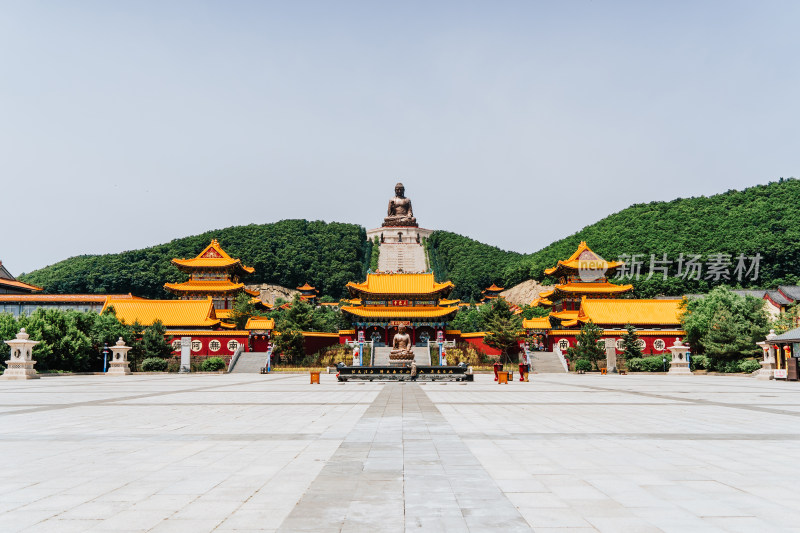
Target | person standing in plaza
(413,371)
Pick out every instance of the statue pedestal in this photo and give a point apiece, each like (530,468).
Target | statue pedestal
(399,234)
(20,365)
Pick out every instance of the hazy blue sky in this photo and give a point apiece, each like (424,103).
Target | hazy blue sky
(128,124)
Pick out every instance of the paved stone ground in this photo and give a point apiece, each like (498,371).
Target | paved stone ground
(272,453)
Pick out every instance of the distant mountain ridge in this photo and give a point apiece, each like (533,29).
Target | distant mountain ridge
(763,219)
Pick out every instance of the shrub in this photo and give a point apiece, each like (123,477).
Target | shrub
(213,364)
(699,362)
(731,367)
(749,366)
(583,365)
(653,363)
(154,364)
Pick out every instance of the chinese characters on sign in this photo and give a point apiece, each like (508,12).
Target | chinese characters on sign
(716,267)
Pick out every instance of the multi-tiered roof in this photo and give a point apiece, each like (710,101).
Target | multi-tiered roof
(584,274)
(410,297)
(213,273)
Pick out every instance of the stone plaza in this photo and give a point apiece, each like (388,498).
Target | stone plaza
(237,452)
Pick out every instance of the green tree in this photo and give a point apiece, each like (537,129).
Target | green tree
(729,338)
(154,343)
(502,333)
(630,343)
(289,342)
(243,309)
(588,346)
(711,321)
(788,319)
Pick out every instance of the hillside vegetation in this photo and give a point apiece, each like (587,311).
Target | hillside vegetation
(762,219)
(758,220)
(287,253)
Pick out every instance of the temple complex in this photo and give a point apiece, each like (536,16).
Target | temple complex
(584,294)
(384,302)
(212,274)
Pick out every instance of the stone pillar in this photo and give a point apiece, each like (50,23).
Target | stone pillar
(611,356)
(186,355)
(20,365)
(119,365)
(679,365)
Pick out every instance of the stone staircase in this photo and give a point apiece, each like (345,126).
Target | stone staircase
(405,257)
(422,356)
(249,363)
(545,363)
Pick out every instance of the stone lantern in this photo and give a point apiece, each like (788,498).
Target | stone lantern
(119,359)
(679,365)
(768,362)
(20,365)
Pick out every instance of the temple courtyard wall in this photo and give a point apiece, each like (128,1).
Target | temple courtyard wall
(242,452)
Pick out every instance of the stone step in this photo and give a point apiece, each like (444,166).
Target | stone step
(545,363)
(408,257)
(250,363)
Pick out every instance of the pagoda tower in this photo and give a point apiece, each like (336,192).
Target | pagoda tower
(491,293)
(584,274)
(308,293)
(212,274)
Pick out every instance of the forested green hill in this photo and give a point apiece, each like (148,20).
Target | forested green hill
(289,253)
(763,219)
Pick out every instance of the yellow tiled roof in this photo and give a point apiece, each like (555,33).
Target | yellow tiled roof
(596,288)
(569,323)
(545,294)
(319,334)
(536,323)
(449,302)
(306,287)
(400,284)
(636,312)
(583,257)
(171,313)
(207,333)
(202,286)
(620,332)
(260,322)
(400,312)
(64,298)
(493,288)
(565,315)
(223,314)
(213,256)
